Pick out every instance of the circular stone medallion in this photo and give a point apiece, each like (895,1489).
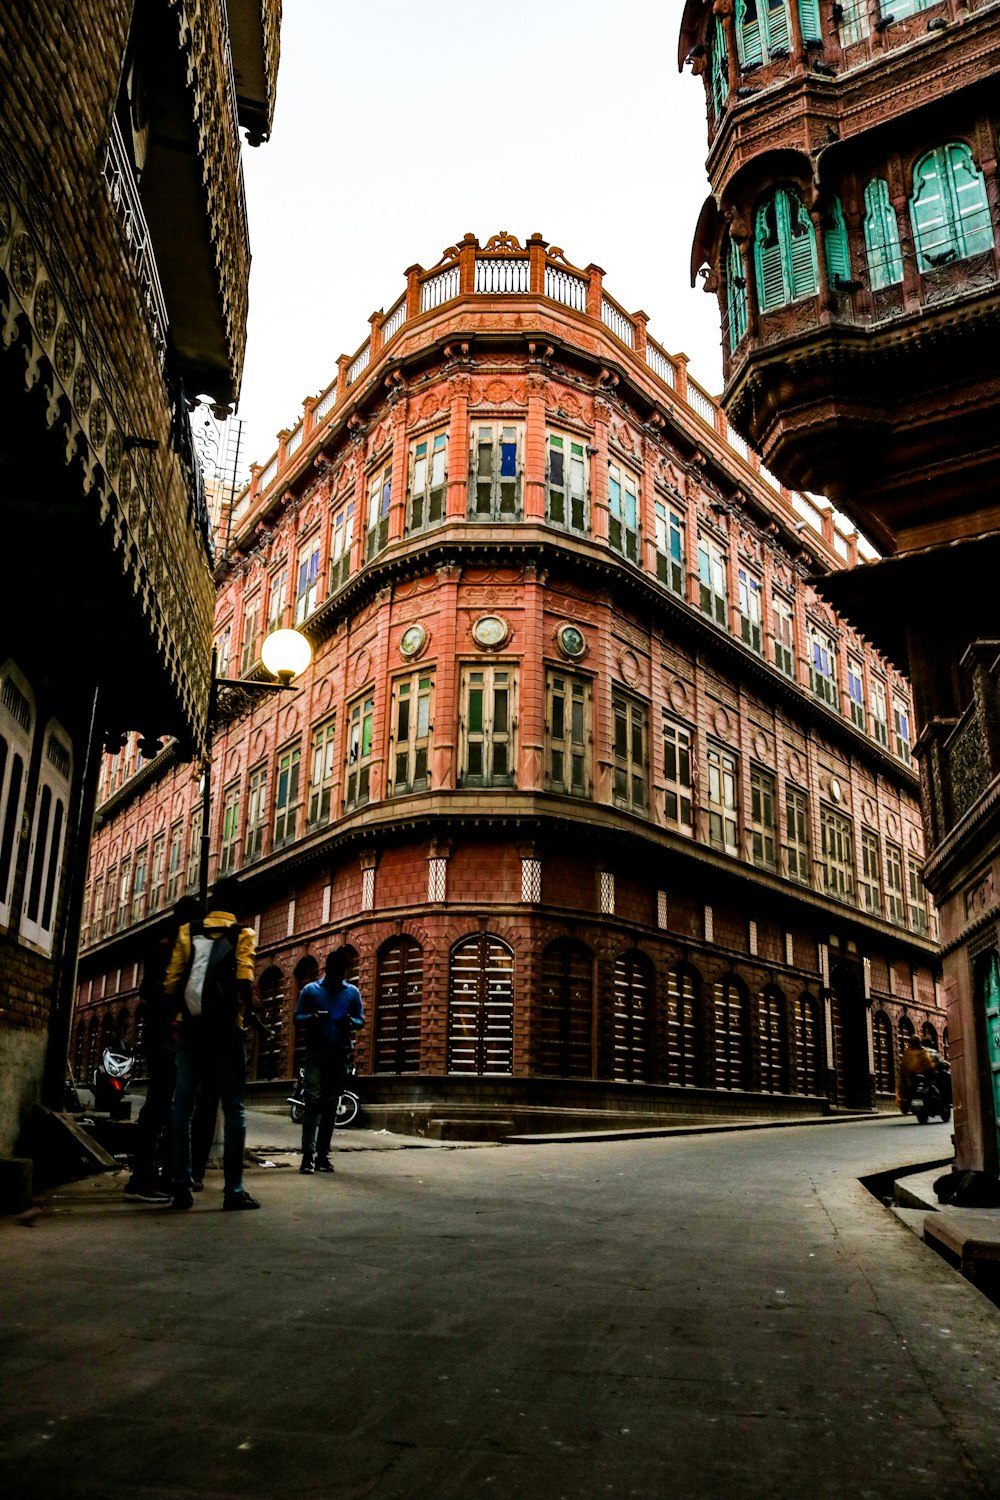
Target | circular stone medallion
(571,642)
(412,641)
(490,632)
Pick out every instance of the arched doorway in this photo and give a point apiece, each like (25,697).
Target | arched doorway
(731,1065)
(481,1006)
(567,1010)
(633,1007)
(849,1019)
(885,1075)
(305,972)
(271,1048)
(683,1026)
(808,1040)
(398,1002)
(773,1041)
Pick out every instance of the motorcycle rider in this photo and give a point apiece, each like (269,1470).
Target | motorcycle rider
(331,1011)
(916,1058)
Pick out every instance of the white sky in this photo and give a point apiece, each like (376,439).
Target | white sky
(401,126)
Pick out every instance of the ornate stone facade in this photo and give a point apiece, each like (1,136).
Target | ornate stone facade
(614,811)
(853,238)
(105,622)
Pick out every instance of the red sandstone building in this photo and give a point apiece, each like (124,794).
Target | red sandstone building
(614,811)
(124,267)
(853,238)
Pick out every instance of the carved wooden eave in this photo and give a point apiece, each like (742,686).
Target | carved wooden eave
(254,30)
(161,556)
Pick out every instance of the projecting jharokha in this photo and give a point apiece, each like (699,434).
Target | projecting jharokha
(613,811)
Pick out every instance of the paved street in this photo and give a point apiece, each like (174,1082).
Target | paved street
(720,1316)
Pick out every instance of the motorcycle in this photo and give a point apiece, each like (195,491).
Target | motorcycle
(348,1107)
(111,1080)
(932,1094)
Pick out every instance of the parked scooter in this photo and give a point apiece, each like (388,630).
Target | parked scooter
(932,1094)
(111,1080)
(347,1110)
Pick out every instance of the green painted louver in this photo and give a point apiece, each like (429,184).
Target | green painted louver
(949,208)
(720,69)
(784,252)
(838,255)
(885,260)
(736,294)
(809,20)
(748,34)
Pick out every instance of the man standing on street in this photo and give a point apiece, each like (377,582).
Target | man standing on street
(211,975)
(331,1012)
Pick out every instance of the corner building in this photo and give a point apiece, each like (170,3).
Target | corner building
(853,239)
(124,267)
(615,813)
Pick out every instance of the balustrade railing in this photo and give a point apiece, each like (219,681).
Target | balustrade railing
(128,206)
(359,364)
(439,288)
(660,365)
(394,321)
(326,403)
(620,325)
(503,274)
(295,441)
(701,403)
(563,286)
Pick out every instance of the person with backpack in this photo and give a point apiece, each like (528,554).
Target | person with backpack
(151,1173)
(331,1011)
(211,974)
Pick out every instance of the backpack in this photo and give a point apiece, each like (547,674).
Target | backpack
(210,994)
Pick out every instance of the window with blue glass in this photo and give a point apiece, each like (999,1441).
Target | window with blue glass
(736,295)
(784,251)
(856,691)
(949,207)
(308,583)
(901,724)
(379,500)
(712,593)
(823,666)
(623,511)
(669,547)
(495,492)
(751,611)
(885,259)
(898,10)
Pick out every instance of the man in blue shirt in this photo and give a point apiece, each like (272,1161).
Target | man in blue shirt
(331,1011)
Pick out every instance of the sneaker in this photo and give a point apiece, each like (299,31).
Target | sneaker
(307,1165)
(324,1164)
(145,1192)
(239,1200)
(182,1198)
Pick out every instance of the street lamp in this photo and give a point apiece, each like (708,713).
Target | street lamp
(285,654)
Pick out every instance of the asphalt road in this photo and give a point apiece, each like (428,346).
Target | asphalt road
(729,1316)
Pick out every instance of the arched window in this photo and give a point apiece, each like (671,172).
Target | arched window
(92,1052)
(271,1048)
(633,1003)
(123,1028)
(944,1044)
(784,251)
(773,1041)
(48,838)
(80,1052)
(885,1079)
(567,1011)
(929,1036)
(761,27)
(17,727)
(683,1027)
(730,1034)
(885,259)
(949,207)
(835,245)
(904,1031)
(736,295)
(398,1002)
(481,1006)
(807,1045)
(719,65)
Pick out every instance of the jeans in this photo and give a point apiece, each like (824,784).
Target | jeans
(210,1062)
(325,1074)
(152,1131)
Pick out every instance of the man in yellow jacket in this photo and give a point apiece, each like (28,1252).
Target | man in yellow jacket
(915,1059)
(210,973)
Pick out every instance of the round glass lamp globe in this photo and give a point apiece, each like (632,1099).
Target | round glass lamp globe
(286,653)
